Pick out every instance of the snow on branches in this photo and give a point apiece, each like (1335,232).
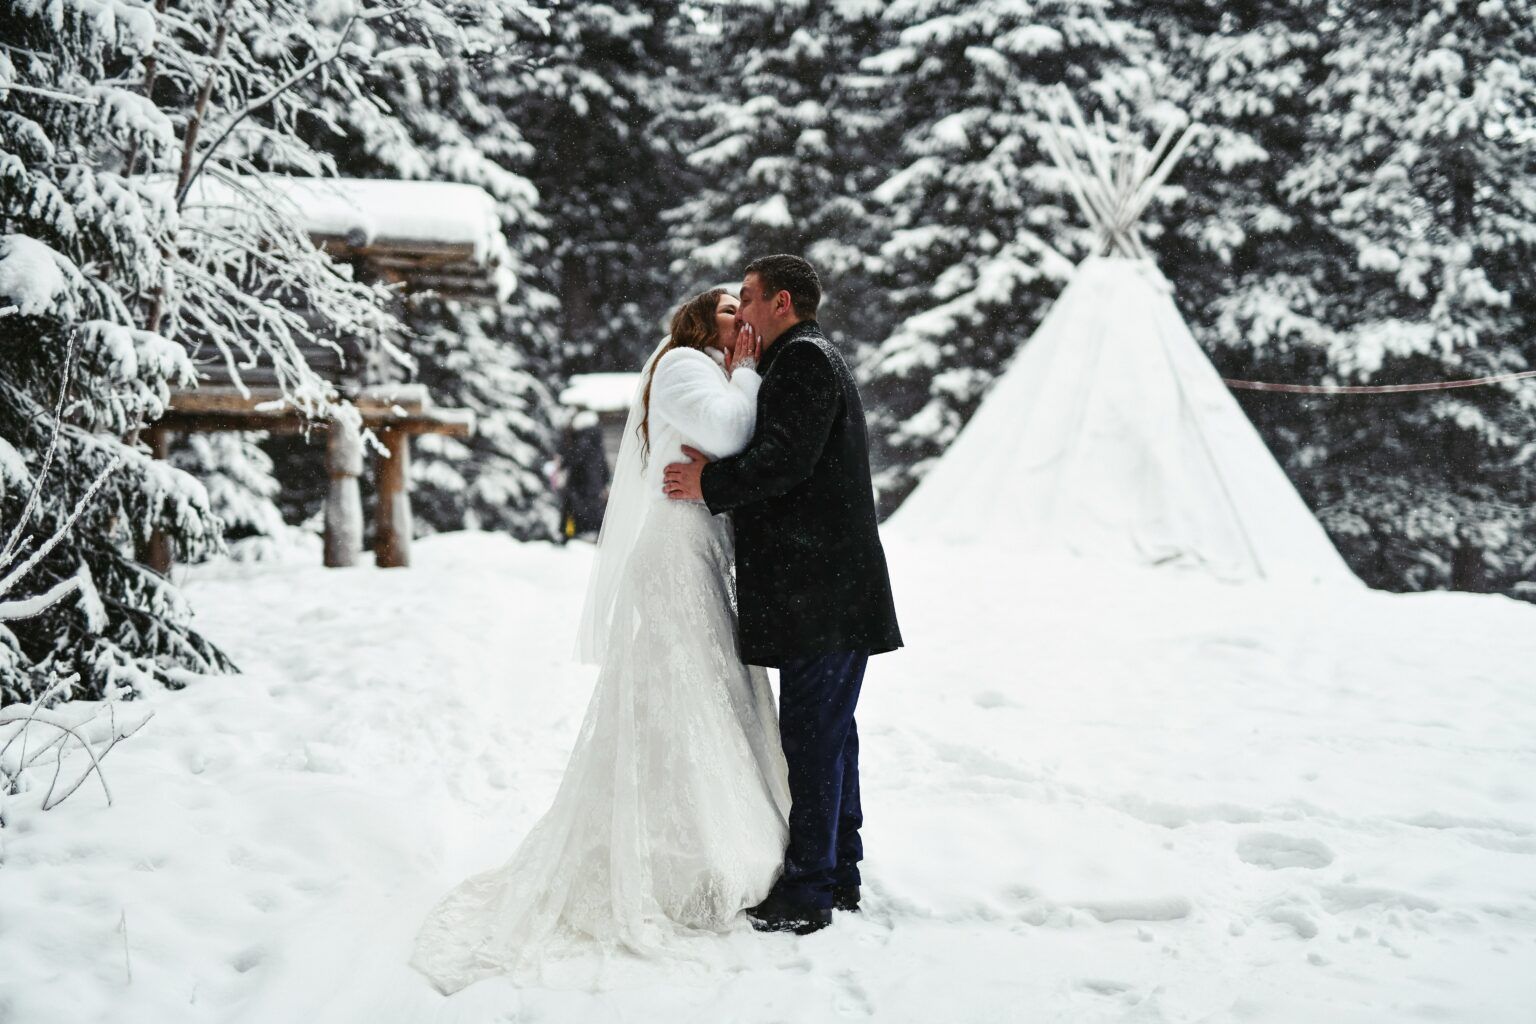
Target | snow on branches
(141,236)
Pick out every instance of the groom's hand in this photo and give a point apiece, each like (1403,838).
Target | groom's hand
(681,480)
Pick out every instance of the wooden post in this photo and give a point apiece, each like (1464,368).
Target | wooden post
(392,514)
(344,500)
(157,554)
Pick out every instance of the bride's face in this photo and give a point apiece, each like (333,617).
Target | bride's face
(725,322)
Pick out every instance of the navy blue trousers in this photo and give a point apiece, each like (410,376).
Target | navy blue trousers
(817,696)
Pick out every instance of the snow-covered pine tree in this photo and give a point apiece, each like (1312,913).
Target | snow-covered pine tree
(1423,159)
(1246,263)
(136,228)
(242,490)
(980,235)
(782,160)
(247,287)
(1377,221)
(1246,76)
(80,243)
(445,106)
(495,480)
(586,101)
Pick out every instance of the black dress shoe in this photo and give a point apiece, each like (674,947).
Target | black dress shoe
(845,898)
(777,915)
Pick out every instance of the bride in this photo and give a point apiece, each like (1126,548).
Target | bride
(672,814)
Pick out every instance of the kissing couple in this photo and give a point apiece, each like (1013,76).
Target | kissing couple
(687,799)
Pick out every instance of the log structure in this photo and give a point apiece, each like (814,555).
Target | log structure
(392,535)
(343,498)
(439,238)
(393,412)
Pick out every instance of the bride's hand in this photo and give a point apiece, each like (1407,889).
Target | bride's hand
(746,350)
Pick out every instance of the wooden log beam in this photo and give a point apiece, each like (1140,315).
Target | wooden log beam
(343,500)
(403,407)
(453,287)
(448,422)
(236,422)
(392,514)
(415,264)
(269,402)
(397,248)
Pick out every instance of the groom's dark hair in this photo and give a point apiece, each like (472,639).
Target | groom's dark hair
(782,272)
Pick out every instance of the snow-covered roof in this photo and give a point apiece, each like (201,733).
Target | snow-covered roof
(601,392)
(438,236)
(366,211)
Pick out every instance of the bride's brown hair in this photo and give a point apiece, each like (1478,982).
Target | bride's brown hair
(693,326)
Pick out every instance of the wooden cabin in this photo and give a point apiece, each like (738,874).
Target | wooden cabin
(608,396)
(425,236)
(594,409)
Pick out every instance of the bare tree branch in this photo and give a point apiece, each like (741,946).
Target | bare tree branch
(8,551)
(281,88)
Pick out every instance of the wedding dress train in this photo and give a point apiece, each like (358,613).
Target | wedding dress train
(672,814)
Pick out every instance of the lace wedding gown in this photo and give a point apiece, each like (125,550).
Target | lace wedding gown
(672,814)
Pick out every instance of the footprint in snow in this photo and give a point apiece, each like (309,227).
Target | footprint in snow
(1273,850)
(1298,921)
(247,959)
(852,999)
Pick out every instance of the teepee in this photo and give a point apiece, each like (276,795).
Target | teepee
(1111,434)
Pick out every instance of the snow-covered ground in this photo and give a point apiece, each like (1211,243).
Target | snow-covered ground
(1092,795)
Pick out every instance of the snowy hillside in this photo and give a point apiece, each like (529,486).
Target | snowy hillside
(1092,795)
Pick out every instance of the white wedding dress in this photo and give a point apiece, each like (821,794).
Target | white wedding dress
(672,814)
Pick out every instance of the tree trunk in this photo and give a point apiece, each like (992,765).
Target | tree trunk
(157,553)
(1467,569)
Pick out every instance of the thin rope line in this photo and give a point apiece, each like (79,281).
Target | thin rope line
(1376,389)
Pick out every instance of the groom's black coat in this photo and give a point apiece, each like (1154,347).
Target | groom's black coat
(810,572)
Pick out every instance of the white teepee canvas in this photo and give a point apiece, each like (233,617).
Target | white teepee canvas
(1112,435)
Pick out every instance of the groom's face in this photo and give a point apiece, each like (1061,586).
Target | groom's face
(755,308)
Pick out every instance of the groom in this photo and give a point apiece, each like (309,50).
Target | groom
(814,595)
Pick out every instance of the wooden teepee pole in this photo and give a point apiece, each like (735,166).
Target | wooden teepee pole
(1115,179)
(1078,178)
(1159,176)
